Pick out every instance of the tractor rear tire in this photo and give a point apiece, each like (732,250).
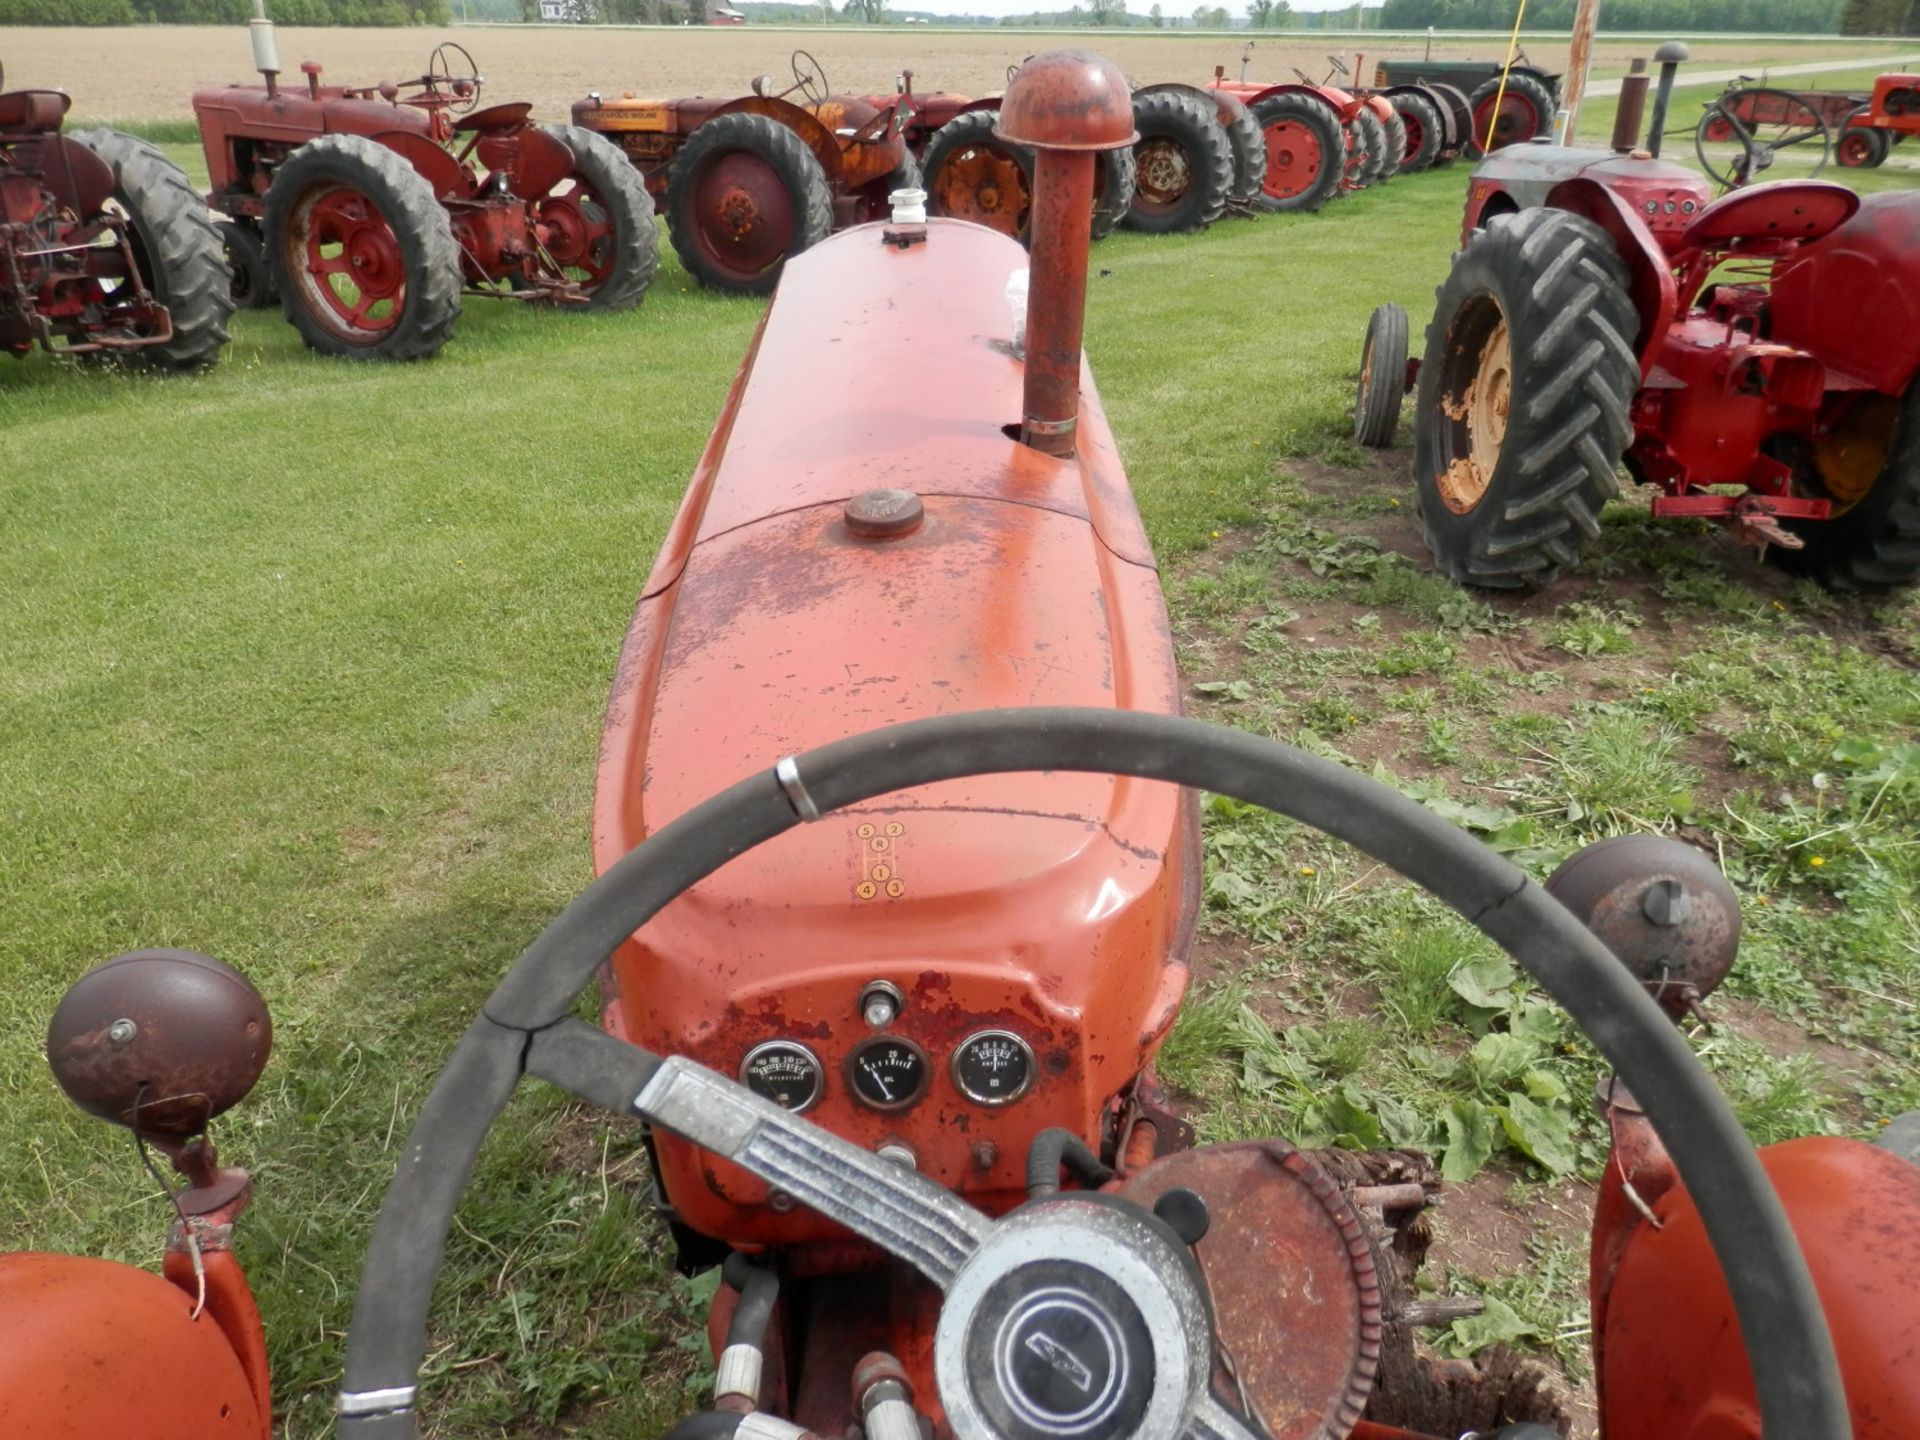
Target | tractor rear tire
(1306,153)
(1113,181)
(1522,416)
(1184,164)
(1424,131)
(252,285)
(395,246)
(176,246)
(1524,94)
(972,174)
(1249,148)
(1383,378)
(778,196)
(1873,544)
(1457,120)
(625,259)
(1395,129)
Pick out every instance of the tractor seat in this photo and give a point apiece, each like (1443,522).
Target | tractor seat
(496,117)
(1780,210)
(38,112)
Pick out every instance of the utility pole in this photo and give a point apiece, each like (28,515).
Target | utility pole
(1586,20)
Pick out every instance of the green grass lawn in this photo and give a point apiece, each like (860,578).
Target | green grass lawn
(302,664)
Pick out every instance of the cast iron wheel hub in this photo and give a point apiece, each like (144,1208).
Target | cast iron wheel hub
(1164,175)
(347,262)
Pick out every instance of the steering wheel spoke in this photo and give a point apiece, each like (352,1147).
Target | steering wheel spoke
(1214,1421)
(901,1211)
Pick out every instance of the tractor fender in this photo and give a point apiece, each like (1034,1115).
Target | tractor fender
(79,179)
(816,136)
(163,1373)
(1852,298)
(1338,101)
(449,178)
(1656,298)
(533,160)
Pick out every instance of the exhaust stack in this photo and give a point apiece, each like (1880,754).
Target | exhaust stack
(266,55)
(1065,105)
(1670,56)
(1633,105)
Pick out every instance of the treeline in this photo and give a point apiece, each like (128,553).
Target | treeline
(1880,17)
(223,12)
(1678,17)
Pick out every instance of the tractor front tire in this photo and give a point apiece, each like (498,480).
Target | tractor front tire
(745,195)
(252,285)
(1249,148)
(1306,153)
(1872,544)
(618,248)
(1383,378)
(1525,109)
(1522,413)
(176,247)
(972,174)
(353,229)
(1184,164)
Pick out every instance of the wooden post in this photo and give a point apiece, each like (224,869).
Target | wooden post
(1586,19)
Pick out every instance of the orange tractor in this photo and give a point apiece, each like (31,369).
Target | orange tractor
(105,249)
(368,211)
(750,181)
(888,1005)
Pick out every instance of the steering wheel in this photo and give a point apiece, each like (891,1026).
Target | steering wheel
(1763,122)
(809,78)
(1339,65)
(1106,1257)
(463,85)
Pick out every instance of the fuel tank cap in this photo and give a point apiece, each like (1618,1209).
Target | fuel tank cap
(884,514)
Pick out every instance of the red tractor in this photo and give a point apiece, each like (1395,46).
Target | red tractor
(748,182)
(104,247)
(367,212)
(1859,130)
(1199,154)
(1321,141)
(889,1006)
(1751,358)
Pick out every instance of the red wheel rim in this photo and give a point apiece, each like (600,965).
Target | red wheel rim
(1294,158)
(986,185)
(1416,133)
(742,216)
(577,229)
(347,263)
(1163,176)
(1719,130)
(1855,150)
(1518,120)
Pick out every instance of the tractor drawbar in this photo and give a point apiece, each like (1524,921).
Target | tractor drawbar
(1065,105)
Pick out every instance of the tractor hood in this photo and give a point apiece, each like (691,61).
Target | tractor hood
(1053,906)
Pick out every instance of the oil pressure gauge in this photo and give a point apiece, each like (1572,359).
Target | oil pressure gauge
(785,1072)
(887,1072)
(993,1067)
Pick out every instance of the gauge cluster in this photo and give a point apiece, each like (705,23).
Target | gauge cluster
(889,1072)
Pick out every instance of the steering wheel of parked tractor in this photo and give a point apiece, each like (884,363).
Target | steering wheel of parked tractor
(1339,65)
(1744,131)
(462,84)
(1110,1257)
(809,78)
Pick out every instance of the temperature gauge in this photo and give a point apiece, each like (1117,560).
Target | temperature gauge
(784,1072)
(888,1073)
(994,1067)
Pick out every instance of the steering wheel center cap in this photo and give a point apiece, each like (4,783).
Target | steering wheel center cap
(1079,1318)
